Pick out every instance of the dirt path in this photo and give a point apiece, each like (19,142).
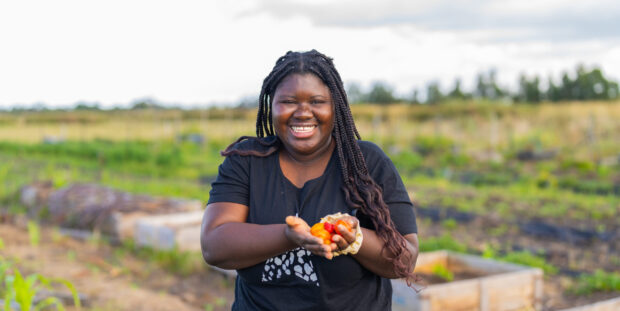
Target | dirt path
(112,280)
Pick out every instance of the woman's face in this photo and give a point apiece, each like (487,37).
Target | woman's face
(303,114)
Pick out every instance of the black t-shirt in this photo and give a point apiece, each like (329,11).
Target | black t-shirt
(298,280)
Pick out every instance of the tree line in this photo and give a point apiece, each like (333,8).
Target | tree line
(583,85)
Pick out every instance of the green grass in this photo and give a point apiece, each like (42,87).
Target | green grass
(599,281)
(442,272)
(34,233)
(182,263)
(444,242)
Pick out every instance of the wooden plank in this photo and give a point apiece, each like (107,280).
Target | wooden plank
(513,291)
(426,261)
(461,296)
(505,286)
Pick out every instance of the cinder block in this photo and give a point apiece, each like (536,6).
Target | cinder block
(167,231)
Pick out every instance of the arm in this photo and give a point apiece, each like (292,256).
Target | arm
(371,258)
(228,242)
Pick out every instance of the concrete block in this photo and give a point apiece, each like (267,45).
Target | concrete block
(181,230)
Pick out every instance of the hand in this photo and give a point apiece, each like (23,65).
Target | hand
(345,237)
(298,232)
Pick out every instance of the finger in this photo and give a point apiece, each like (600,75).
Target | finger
(352,221)
(340,242)
(320,250)
(292,221)
(349,237)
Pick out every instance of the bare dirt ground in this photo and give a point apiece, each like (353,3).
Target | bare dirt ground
(113,282)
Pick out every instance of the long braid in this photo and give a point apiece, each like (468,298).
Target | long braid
(361,191)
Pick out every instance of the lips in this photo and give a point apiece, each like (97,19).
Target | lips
(302,131)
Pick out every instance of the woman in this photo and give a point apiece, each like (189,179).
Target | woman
(308,160)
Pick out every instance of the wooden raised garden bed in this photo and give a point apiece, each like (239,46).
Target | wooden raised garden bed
(478,284)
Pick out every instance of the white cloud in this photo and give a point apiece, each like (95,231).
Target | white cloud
(198,52)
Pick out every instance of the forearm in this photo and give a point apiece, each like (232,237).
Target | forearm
(239,245)
(370,254)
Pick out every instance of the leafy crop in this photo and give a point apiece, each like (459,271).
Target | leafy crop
(599,281)
(18,290)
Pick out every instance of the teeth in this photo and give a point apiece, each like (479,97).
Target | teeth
(302,129)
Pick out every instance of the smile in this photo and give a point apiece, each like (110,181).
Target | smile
(303,129)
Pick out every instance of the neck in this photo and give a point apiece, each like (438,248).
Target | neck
(311,159)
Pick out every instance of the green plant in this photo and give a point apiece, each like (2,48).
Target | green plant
(441,271)
(175,261)
(407,162)
(22,290)
(443,242)
(34,233)
(489,251)
(529,259)
(449,224)
(599,281)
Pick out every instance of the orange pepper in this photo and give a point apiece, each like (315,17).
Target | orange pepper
(325,236)
(317,228)
(344,224)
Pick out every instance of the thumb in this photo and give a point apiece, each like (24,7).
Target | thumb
(293,221)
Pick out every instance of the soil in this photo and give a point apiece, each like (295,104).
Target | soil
(128,284)
(430,279)
(569,258)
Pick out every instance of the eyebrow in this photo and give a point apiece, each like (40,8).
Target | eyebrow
(293,96)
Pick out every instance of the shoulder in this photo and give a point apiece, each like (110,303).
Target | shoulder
(254,145)
(372,152)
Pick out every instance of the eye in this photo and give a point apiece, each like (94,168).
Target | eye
(287,101)
(318,102)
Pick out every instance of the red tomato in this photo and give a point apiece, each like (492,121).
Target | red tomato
(329,227)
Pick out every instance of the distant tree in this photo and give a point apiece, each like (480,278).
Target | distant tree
(587,85)
(456,93)
(354,93)
(415,97)
(145,104)
(433,93)
(248,102)
(380,93)
(87,106)
(553,91)
(487,87)
(529,90)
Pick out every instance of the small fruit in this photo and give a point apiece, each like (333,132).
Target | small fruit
(329,227)
(327,230)
(345,224)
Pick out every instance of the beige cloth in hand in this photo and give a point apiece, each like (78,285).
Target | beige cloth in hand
(354,247)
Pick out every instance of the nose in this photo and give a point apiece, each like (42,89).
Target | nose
(303,110)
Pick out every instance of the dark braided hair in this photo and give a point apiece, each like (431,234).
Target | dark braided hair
(361,191)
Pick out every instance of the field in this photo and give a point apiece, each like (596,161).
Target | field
(533,184)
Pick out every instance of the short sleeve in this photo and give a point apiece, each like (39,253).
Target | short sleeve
(395,195)
(397,199)
(232,182)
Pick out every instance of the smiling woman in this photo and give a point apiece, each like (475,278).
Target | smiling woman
(308,160)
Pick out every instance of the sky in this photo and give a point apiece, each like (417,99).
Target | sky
(198,53)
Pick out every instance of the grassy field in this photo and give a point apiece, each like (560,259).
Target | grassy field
(486,177)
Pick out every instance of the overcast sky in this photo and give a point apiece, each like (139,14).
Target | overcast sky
(204,52)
